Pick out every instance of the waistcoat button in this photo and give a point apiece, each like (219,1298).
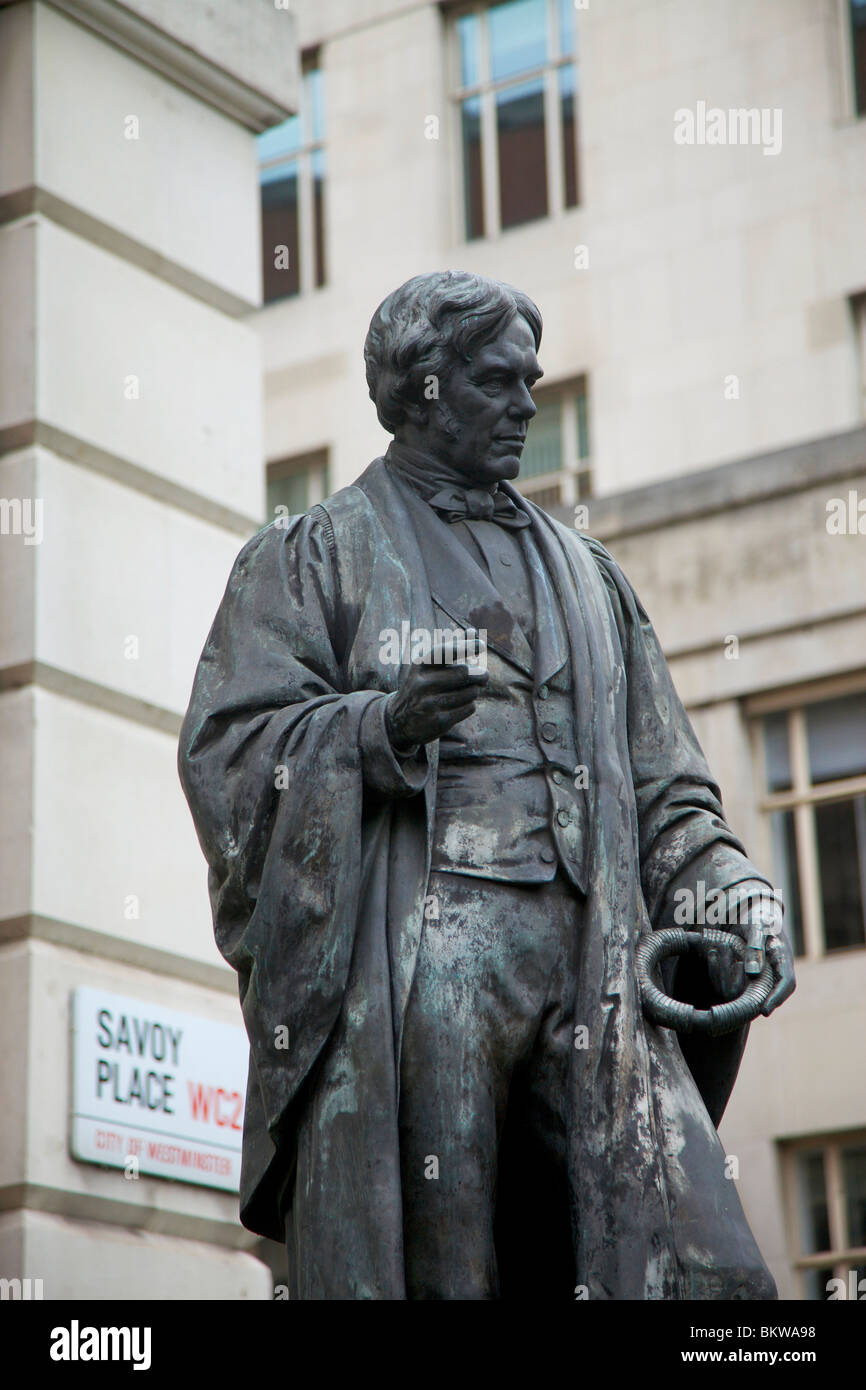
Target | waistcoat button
(563,817)
(558,778)
(548,856)
(543,692)
(548,731)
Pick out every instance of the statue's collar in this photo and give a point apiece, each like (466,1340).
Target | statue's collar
(427,473)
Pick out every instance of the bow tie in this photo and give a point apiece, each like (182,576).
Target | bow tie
(477,504)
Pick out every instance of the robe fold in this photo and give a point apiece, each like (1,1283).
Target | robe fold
(318,843)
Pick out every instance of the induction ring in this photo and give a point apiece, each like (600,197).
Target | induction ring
(656,946)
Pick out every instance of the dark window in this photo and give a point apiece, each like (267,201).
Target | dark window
(857,11)
(296,484)
(292,173)
(815,776)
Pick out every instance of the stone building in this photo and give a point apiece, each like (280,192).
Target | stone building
(130,459)
(681,186)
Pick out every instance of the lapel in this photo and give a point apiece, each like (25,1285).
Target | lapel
(551,641)
(459,586)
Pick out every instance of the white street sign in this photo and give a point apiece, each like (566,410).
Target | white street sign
(157,1092)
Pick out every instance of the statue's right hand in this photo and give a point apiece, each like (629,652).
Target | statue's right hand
(431,700)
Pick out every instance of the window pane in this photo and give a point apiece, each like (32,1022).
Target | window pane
(583,484)
(518,37)
(776,753)
(858,44)
(473,194)
(568,109)
(281,140)
(291,492)
(566,28)
(314,104)
(522,164)
(854,1179)
(542,452)
(468,35)
(317,166)
(786,875)
(812,1191)
(837,738)
(280,265)
(582,408)
(840,828)
(815,1282)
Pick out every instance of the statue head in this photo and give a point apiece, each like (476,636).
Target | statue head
(451,361)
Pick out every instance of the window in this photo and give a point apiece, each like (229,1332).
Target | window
(292,174)
(857,14)
(554,468)
(516,108)
(858,311)
(815,797)
(296,484)
(825,1184)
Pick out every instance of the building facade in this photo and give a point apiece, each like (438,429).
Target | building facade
(681,187)
(130,460)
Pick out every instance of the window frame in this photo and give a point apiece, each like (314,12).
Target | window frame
(314,462)
(849,78)
(303,158)
(486,89)
(803,795)
(841,1256)
(568,476)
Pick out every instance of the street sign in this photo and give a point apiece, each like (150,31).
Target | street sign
(156,1092)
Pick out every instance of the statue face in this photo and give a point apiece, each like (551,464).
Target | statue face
(479,422)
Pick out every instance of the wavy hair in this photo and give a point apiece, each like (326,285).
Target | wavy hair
(429,324)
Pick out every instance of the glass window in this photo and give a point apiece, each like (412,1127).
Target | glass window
(857,11)
(522,158)
(517,37)
(469,39)
(554,467)
(280,232)
(516,103)
(837,738)
(840,827)
(473,195)
(786,877)
(815,761)
(776,752)
(826,1183)
(296,484)
(292,176)
(814,1223)
(854,1178)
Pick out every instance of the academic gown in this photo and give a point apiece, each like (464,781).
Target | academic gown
(318,845)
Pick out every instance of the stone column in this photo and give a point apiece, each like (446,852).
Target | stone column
(130,475)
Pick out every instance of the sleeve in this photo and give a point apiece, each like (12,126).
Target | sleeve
(276,760)
(387,771)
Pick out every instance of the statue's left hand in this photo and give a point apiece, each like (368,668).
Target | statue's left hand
(726,972)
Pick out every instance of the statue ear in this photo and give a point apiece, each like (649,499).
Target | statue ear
(415,413)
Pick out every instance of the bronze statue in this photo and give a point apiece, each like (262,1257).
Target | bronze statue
(432,874)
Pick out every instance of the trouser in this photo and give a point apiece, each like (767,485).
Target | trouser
(483,1114)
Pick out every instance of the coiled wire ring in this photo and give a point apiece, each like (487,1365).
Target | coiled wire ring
(656,946)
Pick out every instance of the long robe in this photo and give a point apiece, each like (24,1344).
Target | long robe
(318,845)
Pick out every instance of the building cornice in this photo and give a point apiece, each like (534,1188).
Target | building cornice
(187,66)
(746,482)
